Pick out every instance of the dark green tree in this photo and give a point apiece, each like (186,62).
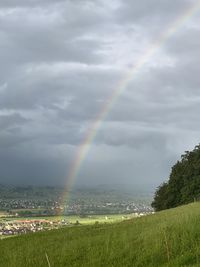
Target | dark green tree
(183,185)
(160,197)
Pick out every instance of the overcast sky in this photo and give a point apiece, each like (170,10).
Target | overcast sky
(59,62)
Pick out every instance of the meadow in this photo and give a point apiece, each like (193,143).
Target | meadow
(168,238)
(72,219)
(3,214)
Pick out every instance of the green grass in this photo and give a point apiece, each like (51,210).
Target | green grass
(110,218)
(169,238)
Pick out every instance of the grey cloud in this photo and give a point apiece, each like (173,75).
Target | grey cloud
(59,64)
(17,3)
(185,45)
(32,3)
(55,85)
(153,10)
(35,42)
(10,121)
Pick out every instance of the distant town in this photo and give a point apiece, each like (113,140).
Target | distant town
(18,208)
(33,209)
(15,227)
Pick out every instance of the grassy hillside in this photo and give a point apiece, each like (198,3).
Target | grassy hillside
(168,238)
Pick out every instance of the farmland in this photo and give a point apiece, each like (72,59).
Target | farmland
(168,238)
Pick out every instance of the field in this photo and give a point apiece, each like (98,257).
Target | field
(85,220)
(3,214)
(169,238)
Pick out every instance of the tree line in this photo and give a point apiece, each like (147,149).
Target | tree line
(183,185)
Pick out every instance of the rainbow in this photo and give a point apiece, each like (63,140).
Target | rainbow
(85,145)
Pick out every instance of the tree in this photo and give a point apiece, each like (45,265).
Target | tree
(183,185)
(160,197)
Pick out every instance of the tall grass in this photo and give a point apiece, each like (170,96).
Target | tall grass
(170,238)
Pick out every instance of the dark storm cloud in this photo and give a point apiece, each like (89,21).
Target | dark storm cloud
(60,61)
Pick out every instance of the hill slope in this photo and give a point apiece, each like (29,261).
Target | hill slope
(168,238)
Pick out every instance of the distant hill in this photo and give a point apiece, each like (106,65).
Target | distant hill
(45,192)
(29,192)
(83,193)
(167,238)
